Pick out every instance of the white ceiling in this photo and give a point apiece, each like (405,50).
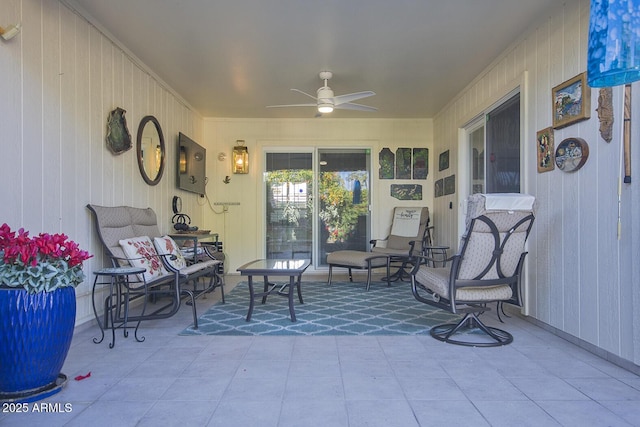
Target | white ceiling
(231,58)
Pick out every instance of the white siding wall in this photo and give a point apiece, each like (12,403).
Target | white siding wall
(582,279)
(60,79)
(241,229)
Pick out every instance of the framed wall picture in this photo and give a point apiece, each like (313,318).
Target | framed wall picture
(571,101)
(439,188)
(450,185)
(545,149)
(443,161)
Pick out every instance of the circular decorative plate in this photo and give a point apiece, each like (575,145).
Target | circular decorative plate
(572,154)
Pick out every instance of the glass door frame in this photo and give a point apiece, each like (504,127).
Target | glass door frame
(464,152)
(314,151)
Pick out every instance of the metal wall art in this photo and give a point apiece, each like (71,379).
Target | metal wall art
(406,163)
(420,163)
(403,163)
(118,138)
(387,162)
(406,191)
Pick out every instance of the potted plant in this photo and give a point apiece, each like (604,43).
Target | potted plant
(38,276)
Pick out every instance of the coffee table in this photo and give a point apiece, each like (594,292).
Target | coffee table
(275,267)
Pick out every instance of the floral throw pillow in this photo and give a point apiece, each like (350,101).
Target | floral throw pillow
(165,245)
(141,253)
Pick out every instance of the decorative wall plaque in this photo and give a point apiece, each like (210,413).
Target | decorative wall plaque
(572,154)
(118,137)
(387,164)
(406,191)
(605,112)
(403,163)
(545,149)
(420,163)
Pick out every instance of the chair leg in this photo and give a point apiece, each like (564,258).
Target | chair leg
(470,321)
(192,298)
(221,284)
(500,309)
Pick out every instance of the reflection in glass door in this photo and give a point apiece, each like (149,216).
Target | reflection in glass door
(343,200)
(289,205)
(339,219)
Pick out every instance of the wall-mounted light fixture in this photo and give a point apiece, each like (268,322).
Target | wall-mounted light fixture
(240,157)
(182,164)
(613,55)
(9,32)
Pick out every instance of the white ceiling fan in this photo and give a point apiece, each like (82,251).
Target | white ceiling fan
(326,102)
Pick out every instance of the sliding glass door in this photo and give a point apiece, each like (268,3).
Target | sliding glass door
(289,205)
(343,202)
(313,211)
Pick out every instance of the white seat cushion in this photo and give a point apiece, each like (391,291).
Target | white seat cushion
(437,281)
(355,259)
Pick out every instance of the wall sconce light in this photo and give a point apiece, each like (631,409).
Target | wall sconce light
(613,55)
(240,157)
(183,161)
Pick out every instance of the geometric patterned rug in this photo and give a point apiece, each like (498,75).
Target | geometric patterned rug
(343,308)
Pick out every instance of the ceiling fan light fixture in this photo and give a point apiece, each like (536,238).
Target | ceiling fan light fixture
(325,108)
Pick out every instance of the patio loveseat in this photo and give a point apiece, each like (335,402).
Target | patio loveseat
(131,237)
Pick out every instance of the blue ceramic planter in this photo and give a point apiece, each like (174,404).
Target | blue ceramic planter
(35,336)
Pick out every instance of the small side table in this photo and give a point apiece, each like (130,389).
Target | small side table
(115,277)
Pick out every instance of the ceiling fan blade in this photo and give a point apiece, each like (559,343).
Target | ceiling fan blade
(304,93)
(342,99)
(358,107)
(292,105)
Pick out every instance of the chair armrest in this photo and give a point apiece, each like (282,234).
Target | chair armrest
(424,260)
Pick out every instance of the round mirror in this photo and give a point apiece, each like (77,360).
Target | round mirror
(150,148)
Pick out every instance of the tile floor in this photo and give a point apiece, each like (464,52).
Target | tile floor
(172,380)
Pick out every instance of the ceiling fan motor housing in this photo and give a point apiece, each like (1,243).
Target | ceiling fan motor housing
(325,94)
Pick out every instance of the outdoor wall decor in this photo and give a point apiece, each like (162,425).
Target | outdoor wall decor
(605,112)
(626,142)
(118,137)
(450,185)
(406,191)
(443,162)
(572,154)
(545,149)
(420,163)
(571,101)
(439,188)
(403,163)
(151,150)
(387,164)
